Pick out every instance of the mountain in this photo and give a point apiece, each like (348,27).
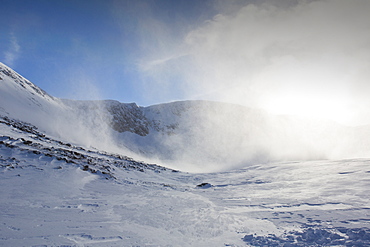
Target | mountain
(186,135)
(21,99)
(79,122)
(66,178)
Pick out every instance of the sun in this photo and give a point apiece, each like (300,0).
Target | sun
(327,107)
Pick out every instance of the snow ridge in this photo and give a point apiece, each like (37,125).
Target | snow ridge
(5,71)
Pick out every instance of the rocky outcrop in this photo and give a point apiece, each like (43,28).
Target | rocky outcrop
(127,117)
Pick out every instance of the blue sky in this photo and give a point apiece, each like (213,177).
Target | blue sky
(93,49)
(307,57)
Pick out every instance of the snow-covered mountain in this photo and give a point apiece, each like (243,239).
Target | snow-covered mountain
(21,99)
(187,135)
(66,179)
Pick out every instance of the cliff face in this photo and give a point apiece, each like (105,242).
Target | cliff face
(127,117)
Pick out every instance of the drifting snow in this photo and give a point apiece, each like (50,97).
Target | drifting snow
(194,136)
(58,188)
(56,193)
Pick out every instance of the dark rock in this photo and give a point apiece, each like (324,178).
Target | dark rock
(248,238)
(27,142)
(128,117)
(204,185)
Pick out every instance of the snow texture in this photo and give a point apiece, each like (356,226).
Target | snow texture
(59,194)
(65,181)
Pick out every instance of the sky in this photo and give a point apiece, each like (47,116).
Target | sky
(300,57)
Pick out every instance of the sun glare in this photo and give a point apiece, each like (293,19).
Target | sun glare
(311,107)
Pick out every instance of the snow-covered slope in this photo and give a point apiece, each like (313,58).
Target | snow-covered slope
(79,122)
(20,98)
(59,188)
(58,194)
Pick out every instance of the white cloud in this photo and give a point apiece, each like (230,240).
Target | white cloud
(13,52)
(151,65)
(270,53)
(262,53)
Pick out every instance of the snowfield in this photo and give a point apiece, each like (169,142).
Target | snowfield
(58,194)
(257,187)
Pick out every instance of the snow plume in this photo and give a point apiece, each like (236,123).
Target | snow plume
(83,123)
(87,121)
(303,58)
(205,136)
(79,122)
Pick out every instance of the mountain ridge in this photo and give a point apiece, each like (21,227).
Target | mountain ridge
(21,81)
(56,192)
(190,135)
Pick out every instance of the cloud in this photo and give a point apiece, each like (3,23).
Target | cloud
(155,64)
(13,52)
(281,56)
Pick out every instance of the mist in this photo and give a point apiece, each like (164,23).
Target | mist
(303,64)
(291,79)
(306,58)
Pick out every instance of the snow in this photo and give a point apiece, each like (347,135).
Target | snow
(65,181)
(204,136)
(50,201)
(194,136)
(80,122)
(21,99)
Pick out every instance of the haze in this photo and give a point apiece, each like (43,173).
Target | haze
(308,58)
